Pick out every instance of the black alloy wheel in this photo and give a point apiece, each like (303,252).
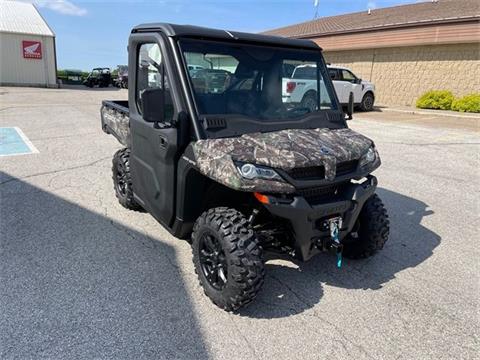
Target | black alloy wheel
(213,261)
(121,179)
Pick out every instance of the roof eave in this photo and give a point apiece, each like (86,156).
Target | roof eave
(475,18)
(45,21)
(27,33)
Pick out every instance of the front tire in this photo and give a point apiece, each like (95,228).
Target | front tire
(227,258)
(370,232)
(122,180)
(367,102)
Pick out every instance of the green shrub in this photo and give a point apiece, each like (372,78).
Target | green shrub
(436,99)
(469,103)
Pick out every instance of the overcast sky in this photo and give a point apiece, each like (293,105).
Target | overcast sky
(92,33)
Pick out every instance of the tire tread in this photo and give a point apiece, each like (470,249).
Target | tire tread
(374,230)
(128,201)
(246,269)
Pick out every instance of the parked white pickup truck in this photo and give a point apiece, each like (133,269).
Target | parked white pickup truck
(300,88)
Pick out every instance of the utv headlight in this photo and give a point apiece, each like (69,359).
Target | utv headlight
(250,171)
(369,157)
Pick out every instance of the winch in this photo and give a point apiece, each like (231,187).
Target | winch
(335,225)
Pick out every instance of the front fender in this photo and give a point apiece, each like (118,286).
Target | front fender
(212,161)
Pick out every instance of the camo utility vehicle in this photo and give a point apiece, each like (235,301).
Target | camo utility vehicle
(216,156)
(99,76)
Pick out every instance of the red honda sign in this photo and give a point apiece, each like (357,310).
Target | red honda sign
(32,49)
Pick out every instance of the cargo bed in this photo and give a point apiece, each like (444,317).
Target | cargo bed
(115,120)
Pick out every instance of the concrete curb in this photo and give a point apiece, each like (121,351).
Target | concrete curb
(433,112)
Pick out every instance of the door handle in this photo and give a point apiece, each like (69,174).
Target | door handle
(162,141)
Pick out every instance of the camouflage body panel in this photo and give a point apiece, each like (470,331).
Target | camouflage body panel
(285,149)
(117,123)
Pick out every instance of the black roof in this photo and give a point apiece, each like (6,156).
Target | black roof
(173,30)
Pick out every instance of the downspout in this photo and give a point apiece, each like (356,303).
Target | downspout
(373,62)
(55,60)
(45,58)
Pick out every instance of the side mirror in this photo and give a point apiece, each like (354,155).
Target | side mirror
(153,105)
(350,107)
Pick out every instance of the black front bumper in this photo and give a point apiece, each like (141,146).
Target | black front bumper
(306,219)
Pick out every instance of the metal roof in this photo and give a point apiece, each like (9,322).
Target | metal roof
(173,30)
(22,18)
(420,13)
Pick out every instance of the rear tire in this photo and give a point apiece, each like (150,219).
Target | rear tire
(309,101)
(122,180)
(227,258)
(367,102)
(372,230)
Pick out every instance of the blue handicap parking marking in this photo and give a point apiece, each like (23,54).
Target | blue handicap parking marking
(14,142)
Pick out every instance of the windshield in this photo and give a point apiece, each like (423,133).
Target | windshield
(256,81)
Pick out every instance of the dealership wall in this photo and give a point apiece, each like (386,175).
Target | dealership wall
(402,74)
(16,70)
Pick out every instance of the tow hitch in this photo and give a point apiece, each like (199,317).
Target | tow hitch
(334,226)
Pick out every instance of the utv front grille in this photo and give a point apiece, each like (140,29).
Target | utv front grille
(308,173)
(320,194)
(346,167)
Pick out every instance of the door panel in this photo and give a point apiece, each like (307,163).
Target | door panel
(338,85)
(343,91)
(153,167)
(357,93)
(154,146)
(349,81)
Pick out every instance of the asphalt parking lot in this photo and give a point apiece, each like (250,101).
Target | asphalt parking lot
(82,277)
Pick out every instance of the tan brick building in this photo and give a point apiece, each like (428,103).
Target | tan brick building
(405,50)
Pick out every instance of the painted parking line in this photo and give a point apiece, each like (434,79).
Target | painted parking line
(14,142)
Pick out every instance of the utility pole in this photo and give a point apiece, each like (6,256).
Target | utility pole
(315,5)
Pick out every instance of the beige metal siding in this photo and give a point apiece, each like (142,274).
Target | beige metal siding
(15,70)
